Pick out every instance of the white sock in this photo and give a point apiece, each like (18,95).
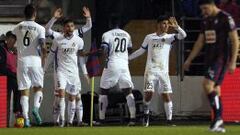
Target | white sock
(79,110)
(168,106)
(146,107)
(71,110)
(56,109)
(38,99)
(103,103)
(62,108)
(25,106)
(131,105)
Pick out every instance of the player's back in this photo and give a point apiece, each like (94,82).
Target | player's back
(29,50)
(118,42)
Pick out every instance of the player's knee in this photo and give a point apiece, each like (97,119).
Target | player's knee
(37,88)
(61,93)
(71,98)
(25,92)
(166,97)
(148,96)
(208,86)
(78,97)
(127,91)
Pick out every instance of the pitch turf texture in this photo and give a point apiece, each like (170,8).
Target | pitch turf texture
(153,130)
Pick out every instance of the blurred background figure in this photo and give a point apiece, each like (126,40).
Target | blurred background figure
(8,68)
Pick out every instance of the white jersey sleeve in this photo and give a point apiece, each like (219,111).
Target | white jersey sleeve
(130,42)
(145,43)
(42,33)
(105,40)
(81,44)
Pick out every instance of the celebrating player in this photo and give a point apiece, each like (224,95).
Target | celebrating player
(116,43)
(30,42)
(158,46)
(54,34)
(217,28)
(67,47)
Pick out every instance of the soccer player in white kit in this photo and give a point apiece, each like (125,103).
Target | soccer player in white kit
(53,34)
(67,48)
(158,46)
(31,53)
(116,43)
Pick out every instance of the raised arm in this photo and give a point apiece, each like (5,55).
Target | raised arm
(88,25)
(174,24)
(57,14)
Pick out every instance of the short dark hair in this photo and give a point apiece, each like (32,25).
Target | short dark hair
(29,11)
(115,20)
(162,18)
(67,20)
(203,2)
(9,34)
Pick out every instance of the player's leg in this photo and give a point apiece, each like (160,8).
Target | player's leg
(148,93)
(103,103)
(36,74)
(215,103)
(24,84)
(56,108)
(61,85)
(165,90)
(211,84)
(62,106)
(108,80)
(17,109)
(71,108)
(126,85)
(79,110)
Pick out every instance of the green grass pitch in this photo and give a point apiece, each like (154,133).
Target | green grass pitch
(153,130)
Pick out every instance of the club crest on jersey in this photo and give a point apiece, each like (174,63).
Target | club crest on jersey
(163,40)
(73,45)
(215,21)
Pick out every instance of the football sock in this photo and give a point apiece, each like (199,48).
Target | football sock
(103,103)
(131,105)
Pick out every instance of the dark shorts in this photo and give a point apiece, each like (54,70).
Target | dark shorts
(216,72)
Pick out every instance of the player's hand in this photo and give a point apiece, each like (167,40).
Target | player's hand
(86,12)
(58,13)
(173,23)
(231,67)
(87,78)
(186,65)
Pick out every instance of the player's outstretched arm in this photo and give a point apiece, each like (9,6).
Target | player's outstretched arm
(174,24)
(235,45)
(57,14)
(196,49)
(137,53)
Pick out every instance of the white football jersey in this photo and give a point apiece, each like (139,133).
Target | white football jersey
(66,51)
(158,47)
(29,51)
(117,41)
